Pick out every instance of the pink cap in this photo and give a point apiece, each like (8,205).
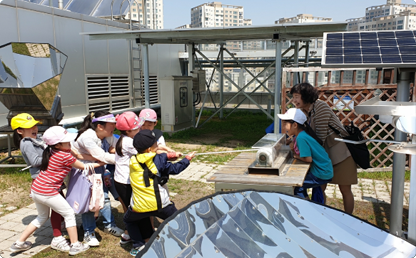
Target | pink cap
(128,121)
(57,134)
(148,115)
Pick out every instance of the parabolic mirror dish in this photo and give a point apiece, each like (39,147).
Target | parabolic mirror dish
(264,224)
(30,75)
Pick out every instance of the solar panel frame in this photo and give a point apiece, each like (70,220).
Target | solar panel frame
(395,48)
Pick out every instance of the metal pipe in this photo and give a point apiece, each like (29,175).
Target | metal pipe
(191,67)
(399,160)
(296,61)
(412,199)
(307,60)
(61,4)
(277,85)
(145,63)
(221,79)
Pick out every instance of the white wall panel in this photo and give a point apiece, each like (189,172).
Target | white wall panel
(118,55)
(35,27)
(68,40)
(96,52)
(8,33)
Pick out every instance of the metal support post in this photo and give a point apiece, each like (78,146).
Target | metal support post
(399,160)
(277,85)
(296,62)
(307,60)
(221,79)
(412,199)
(191,67)
(146,75)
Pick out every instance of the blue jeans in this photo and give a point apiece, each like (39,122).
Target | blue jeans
(311,181)
(88,220)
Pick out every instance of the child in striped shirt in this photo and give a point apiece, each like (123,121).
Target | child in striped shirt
(57,161)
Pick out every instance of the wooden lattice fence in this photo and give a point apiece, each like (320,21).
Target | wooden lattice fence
(340,92)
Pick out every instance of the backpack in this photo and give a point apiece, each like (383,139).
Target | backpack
(359,152)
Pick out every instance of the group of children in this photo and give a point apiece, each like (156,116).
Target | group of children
(141,171)
(140,174)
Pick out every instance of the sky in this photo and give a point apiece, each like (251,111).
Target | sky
(265,12)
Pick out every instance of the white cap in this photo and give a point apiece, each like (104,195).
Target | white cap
(294,114)
(57,134)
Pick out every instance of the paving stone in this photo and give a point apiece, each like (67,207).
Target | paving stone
(8,217)
(6,234)
(31,206)
(26,211)
(10,225)
(11,208)
(44,232)
(5,244)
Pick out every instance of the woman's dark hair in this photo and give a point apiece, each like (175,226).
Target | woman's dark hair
(87,124)
(119,144)
(17,138)
(307,92)
(45,157)
(308,129)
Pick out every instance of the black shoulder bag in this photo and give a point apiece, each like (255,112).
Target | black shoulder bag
(359,152)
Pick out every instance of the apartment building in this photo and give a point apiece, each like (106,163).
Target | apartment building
(391,16)
(148,13)
(216,14)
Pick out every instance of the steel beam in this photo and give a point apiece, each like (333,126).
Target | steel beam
(277,85)
(145,62)
(221,79)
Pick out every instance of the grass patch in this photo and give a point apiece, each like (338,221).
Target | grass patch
(14,188)
(388,175)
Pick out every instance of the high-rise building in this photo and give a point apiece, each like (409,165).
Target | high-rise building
(216,14)
(390,16)
(148,12)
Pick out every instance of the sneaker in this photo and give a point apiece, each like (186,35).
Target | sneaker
(135,250)
(125,239)
(90,239)
(114,231)
(15,248)
(60,244)
(78,247)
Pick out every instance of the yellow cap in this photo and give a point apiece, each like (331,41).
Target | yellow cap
(23,120)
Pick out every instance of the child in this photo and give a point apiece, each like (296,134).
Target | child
(148,172)
(25,136)
(57,161)
(150,121)
(96,127)
(310,151)
(128,123)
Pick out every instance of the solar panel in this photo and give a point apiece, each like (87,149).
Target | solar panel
(370,48)
(265,224)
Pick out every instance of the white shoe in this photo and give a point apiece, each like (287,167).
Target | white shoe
(90,239)
(78,247)
(114,231)
(60,244)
